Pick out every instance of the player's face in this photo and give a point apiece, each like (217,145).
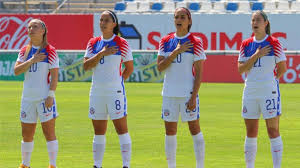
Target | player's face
(35,29)
(181,20)
(258,23)
(106,23)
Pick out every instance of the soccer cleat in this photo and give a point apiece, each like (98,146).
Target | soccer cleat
(50,166)
(96,167)
(125,167)
(23,166)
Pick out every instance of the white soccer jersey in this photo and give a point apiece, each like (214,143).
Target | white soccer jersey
(263,71)
(37,77)
(107,75)
(179,76)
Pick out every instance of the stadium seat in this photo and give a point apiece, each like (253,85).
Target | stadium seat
(120,7)
(270,6)
(219,7)
(295,7)
(181,4)
(232,7)
(131,7)
(257,6)
(244,7)
(178,0)
(168,7)
(128,0)
(283,6)
(193,6)
(156,6)
(206,7)
(144,7)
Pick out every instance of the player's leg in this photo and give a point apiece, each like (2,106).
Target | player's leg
(117,109)
(271,109)
(171,143)
(170,114)
(99,141)
(276,141)
(251,114)
(192,117)
(47,117)
(124,139)
(28,130)
(98,114)
(52,143)
(28,118)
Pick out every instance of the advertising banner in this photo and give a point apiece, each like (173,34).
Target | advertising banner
(64,31)
(219,67)
(217,31)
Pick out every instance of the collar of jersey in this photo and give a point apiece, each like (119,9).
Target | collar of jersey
(259,41)
(108,39)
(35,47)
(182,37)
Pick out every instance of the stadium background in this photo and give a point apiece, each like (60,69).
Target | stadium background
(221,25)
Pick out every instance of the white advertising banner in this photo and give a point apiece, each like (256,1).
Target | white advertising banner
(217,31)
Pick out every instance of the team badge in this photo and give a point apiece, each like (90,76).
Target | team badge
(23,114)
(166,112)
(92,110)
(244,109)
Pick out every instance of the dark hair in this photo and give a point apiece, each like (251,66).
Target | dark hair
(264,15)
(115,20)
(187,11)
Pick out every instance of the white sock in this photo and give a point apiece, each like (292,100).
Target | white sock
(98,149)
(250,151)
(26,148)
(125,143)
(52,151)
(199,148)
(171,145)
(276,148)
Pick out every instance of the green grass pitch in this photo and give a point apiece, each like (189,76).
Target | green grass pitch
(220,120)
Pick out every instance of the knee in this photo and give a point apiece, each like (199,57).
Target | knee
(99,131)
(273,132)
(194,130)
(27,136)
(171,131)
(121,131)
(252,132)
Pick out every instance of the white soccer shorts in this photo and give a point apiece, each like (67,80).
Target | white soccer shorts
(103,106)
(172,107)
(32,110)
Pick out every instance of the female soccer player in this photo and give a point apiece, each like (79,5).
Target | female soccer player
(39,61)
(181,56)
(105,56)
(263,60)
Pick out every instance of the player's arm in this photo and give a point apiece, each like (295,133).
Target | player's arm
(53,85)
(247,65)
(164,62)
(198,67)
(21,67)
(281,69)
(89,63)
(128,69)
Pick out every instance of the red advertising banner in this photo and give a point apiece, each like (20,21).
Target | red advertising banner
(223,68)
(64,31)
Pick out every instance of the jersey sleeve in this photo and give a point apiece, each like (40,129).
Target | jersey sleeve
(21,55)
(89,49)
(278,51)
(199,51)
(53,58)
(126,53)
(161,50)
(242,57)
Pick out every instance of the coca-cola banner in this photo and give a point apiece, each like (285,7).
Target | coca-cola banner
(217,31)
(219,67)
(65,32)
